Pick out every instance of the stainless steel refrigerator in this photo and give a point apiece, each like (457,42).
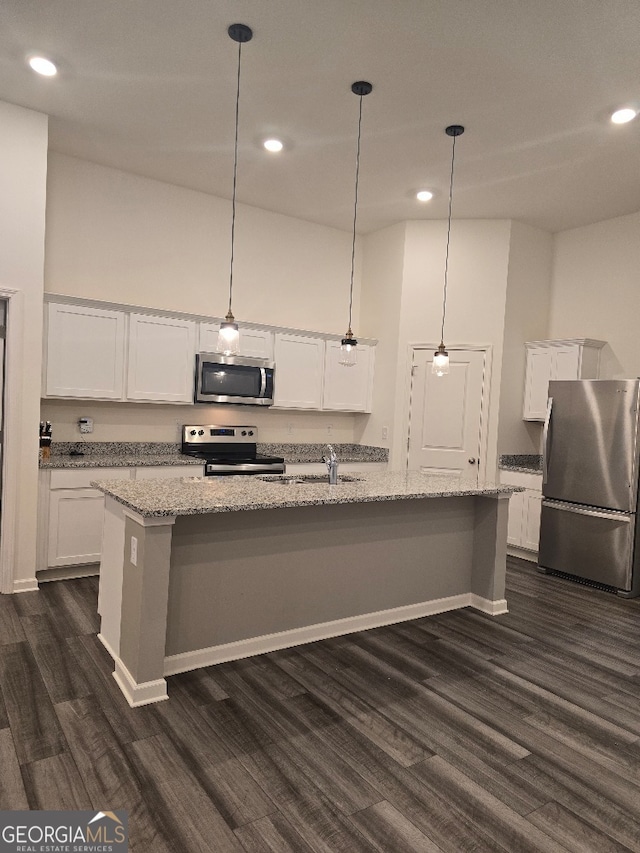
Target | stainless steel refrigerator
(589,524)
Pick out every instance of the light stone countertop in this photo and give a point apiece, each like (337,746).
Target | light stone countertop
(526,463)
(201,495)
(117,454)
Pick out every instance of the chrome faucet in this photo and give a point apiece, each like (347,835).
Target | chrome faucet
(332,465)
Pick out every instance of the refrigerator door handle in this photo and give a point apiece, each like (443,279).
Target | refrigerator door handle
(545,441)
(594,513)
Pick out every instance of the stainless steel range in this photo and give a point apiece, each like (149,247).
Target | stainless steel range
(228,450)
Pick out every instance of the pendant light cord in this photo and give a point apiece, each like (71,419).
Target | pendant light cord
(355,215)
(446,260)
(235,174)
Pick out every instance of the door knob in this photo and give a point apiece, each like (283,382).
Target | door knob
(472,460)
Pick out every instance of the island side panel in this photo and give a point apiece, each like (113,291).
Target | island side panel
(145,589)
(490,553)
(248,574)
(111,569)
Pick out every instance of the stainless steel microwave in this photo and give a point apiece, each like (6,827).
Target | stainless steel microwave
(234,379)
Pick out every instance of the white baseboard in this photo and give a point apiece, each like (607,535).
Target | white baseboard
(486,605)
(185,661)
(26,585)
(139,694)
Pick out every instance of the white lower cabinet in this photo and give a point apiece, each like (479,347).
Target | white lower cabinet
(71,513)
(523,530)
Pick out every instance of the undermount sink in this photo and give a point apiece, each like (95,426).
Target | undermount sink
(303,479)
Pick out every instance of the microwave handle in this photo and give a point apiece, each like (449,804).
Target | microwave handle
(263,382)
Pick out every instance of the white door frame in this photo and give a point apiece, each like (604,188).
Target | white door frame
(12,427)
(484,406)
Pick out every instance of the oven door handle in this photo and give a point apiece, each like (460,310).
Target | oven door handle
(263,382)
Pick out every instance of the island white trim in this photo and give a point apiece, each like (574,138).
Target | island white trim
(138,693)
(186,661)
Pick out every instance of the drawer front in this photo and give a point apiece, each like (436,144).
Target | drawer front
(81,478)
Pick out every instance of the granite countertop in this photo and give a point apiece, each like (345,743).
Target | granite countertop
(527,463)
(121,454)
(200,495)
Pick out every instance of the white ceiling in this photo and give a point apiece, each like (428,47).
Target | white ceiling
(149,86)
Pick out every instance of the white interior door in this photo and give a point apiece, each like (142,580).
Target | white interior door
(445,419)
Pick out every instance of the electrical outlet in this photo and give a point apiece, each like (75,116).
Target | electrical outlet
(289,429)
(85,424)
(134,551)
(385,433)
(329,429)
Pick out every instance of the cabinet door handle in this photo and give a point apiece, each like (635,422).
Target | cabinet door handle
(472,460)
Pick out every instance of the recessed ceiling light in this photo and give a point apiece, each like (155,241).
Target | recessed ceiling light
(43,66)
(273,145)
(624,115)
(424,195)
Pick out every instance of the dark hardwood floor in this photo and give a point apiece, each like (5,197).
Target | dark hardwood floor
(458,732)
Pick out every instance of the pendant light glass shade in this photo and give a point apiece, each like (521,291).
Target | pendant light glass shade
(348,347)
(229,335)
(440,364)
(348,351)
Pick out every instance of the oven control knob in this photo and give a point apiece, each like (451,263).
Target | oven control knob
(193,432)
(244,432)
(250,432)
(200,432)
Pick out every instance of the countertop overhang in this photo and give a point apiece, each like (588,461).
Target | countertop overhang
(202,495)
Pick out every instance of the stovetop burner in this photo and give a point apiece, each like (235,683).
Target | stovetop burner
(228,450)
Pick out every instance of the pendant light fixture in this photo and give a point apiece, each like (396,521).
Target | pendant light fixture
(440,364)
(348,354)
(229,336)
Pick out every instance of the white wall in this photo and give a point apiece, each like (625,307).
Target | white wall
(596,291)
(23,168)
(526,319)
(402,300)
(382,283)
(119,237)
(476,294)
(158,422)
(123,238)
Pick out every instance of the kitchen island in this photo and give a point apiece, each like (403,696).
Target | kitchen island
(196,571)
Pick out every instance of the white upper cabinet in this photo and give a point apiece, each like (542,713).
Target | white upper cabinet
(84,352)
(161,359)
(119,353)
(299,371)
(254,343)
(348,389)
(547,360)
